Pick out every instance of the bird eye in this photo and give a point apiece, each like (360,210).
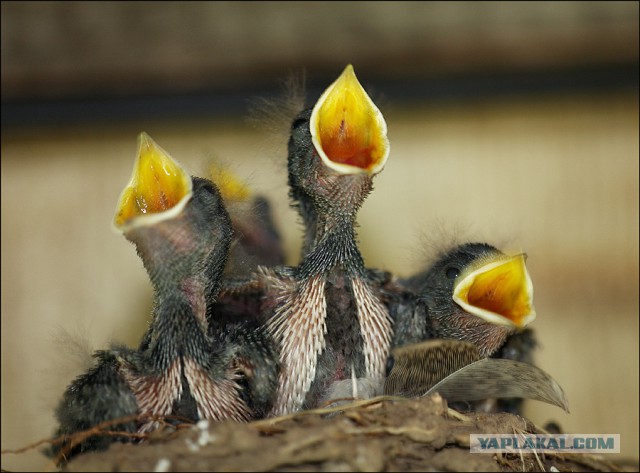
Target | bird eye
(298,122)
(452,272)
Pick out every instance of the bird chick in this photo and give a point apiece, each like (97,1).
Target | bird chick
(182,233)
(473,293)
(186,364)
(326,317)
(257,240)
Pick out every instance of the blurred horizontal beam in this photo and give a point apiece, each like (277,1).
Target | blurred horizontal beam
(56,50)
(235,102)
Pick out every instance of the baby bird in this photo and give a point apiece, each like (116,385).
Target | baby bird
(186,364)
(471,303)
(257,240)
(325,316)
(473,293)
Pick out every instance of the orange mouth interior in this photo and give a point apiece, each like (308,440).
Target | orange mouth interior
(499,290)
(348,129)
(158,183)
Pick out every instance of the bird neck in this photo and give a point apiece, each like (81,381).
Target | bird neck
(184,268)
(306,209)
(335,245)
(459,325)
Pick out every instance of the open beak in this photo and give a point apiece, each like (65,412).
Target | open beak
(158,189)
(499,291)
(348,131)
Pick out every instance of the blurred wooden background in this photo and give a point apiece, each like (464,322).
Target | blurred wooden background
(512,123)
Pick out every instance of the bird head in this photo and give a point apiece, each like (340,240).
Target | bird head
(337,147)
(178,223)
(479,294)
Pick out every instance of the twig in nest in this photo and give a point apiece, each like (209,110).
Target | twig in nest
(331,402)
(413,433)
(99,429)
(292,448)
(521,433)
(31,446)
(326,410)
(457,415)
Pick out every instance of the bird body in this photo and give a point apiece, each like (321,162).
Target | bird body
(331,327)
(330,323)
(187,364)
(455,370)
(185,256)
(99,395)
(474,294)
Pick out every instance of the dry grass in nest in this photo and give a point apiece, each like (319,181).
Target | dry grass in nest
(380,434)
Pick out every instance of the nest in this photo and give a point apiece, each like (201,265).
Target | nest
(378,434)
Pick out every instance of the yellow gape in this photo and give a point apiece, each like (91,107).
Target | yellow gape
(158,189)
(347,129)
(500,292)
